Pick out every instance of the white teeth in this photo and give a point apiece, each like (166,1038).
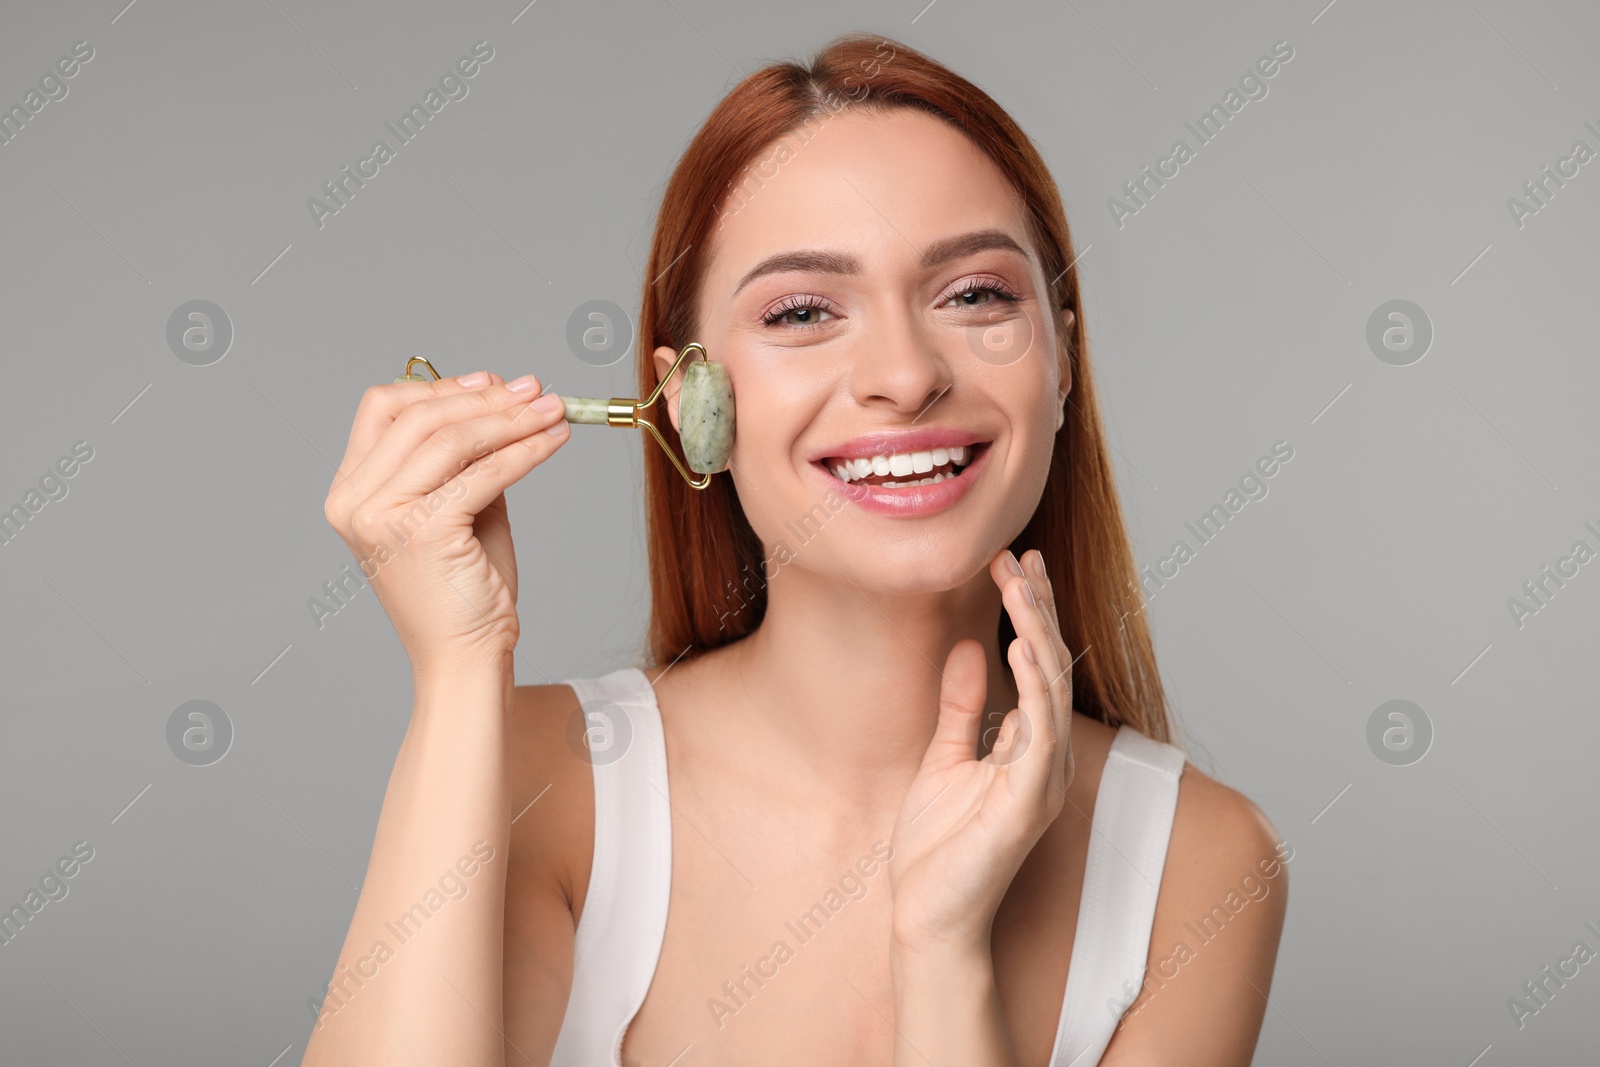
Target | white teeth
(920,481)
(900,464)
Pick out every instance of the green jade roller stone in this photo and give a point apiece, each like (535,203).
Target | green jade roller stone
(705,415)
(585,409)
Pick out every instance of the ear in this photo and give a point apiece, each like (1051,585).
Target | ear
(664,355)
(1068,317)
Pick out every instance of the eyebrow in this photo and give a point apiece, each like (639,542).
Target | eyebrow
(825,262)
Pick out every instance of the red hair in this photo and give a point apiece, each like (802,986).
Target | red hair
(706,563)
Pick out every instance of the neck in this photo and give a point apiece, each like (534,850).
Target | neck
(844,682)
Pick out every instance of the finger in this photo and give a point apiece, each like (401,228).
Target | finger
(380,404)
(419,420)
(471,463)
(1029,766)
(1061,681)
(962,693)
(1033,564)
(1028,619)
(1039,609)
(1032,618)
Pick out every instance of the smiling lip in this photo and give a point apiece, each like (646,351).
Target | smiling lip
(912,501)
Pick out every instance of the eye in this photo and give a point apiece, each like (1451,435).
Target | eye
(986,289)
(806,308)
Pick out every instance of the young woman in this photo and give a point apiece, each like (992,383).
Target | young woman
(896,783)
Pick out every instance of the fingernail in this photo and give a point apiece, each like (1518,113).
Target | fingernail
(522,384)
(560,429)
(1027,650)
(1011,563)
(1027,587)
(1038,562)
(476,380)
(547,403)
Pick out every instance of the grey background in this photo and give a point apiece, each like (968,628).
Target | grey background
(1230,313)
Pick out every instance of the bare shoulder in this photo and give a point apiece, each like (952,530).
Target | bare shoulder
(552,795)
(1218,828)
(1218,834)
(1214,940)
(1224,853)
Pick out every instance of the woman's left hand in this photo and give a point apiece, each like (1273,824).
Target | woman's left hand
(967,824)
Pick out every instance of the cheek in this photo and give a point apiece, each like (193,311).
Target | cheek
(768,464)
(762,435)
(773,406)
(1033,403)
(1028,392)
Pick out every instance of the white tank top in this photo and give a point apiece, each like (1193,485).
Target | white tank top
(619,934)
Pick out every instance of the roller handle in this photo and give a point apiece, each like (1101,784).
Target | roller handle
(585,409)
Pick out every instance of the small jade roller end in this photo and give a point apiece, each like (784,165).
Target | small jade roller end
(585,409)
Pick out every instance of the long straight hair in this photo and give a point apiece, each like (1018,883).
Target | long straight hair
(707,577)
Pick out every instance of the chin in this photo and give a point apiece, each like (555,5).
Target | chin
(901,570)
(917,579)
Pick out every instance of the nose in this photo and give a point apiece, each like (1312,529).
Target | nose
(898,369)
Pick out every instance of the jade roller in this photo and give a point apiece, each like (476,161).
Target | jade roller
(705,412)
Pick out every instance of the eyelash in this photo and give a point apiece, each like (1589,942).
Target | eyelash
(796,303)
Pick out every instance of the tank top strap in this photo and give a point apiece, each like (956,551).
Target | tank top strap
(618,939)
(1130,830)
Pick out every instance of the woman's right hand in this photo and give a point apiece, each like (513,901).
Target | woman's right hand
(420,500)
